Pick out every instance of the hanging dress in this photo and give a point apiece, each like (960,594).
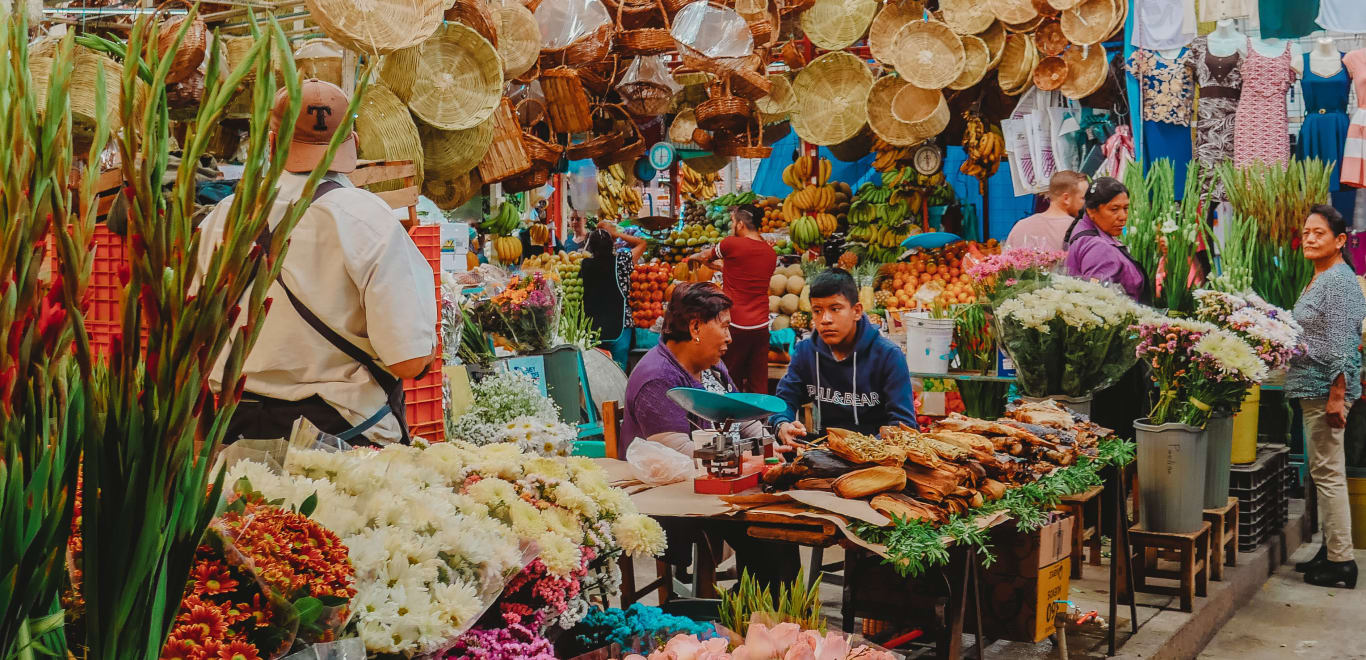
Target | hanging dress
(1167,93)
(1289,19)
(1324,131)
(1220,81)
(1262,129)
(1163,24)
(1354,152)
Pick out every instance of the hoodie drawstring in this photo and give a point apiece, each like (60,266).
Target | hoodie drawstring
(818,392)
(855,406)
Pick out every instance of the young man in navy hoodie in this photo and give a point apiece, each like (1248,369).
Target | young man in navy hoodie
(856,378)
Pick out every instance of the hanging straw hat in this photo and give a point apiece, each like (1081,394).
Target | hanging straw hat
(453,192)
(1090,22)
(886,126)
(519,39)
(1013,11)
(995,39)
(377,27)
(966,16)
(837,24)
(1017,63)
(925,110)
(929,54)
(385,131)
(1049,37)
(447,154)
(683,125)
(778,104)
(321,59)
(1087,69)
(458,79)
(975,64)
(889,21)
(832,94)
(1050,74)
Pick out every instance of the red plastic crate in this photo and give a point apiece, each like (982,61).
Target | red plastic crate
(425,398)
(104,316)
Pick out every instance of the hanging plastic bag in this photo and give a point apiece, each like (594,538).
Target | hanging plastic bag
(657,465)
(711,31)
(563,22)
(646,88)
(351,648)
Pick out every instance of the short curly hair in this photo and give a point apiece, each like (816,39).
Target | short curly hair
(696,301)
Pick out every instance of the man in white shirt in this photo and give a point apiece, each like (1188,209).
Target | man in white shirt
(1047,230)
(354,308)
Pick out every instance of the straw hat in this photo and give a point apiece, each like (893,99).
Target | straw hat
(886,126)
(832,98)
(683,125)
(377,27)
(882,33)
(1050,74)
(1049,37)
(1013,11)
(975,66)
(778,103)
(458,79)
(837,24)
(1017,63)
(925,110)
(1090,22)
(446,154)
(995,39)
(929,54)
(519,39)
(385,131)
(966,16)
(453,192)
(1087,69)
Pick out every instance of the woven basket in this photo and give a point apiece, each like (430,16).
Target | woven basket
(506,155)
(792,56)
(182,98)
(451,193)
(1027,27)
(377,27)
(674,6)
(1017,62)
(1121,15)
(723,112)
(1087,69)
(854,148)
(886,126)
(567,107)
(995,39)
(975,63)
(643,40)
(929,54)
(519,39)
(458,81)
(925,110)
(837,24)
(645,99)
(589,49)
(750,82)
(84,75)
(1063,5)
(1049,38)
(447,154)
(684,123)
(832,98)
(189,54)
(636,13)
(385,131)
(1013,11)
(1090,22)
(966,16)
(596,146)
(778,104)
(235,49)
(475,14)
(885,25)
(702,139)
(1050,74)
(528,180)
(599,77)
(321,59)
(398,71)
(543,153)
(794,7)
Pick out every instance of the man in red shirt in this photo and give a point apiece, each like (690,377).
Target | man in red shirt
(746,263)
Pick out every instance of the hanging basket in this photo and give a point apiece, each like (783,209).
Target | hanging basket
(702,139)
(453,192)
(832,97)
(1090,22)
(645,99)
(476,15)
(777,105)
(601,144)
(995,39)
(635,14)
(975,63)
(591,48)
(966,16)
(925,110)
(1049,38)
(567,107)
(321,59)
(377,27)
(837,24)
(645,40)
(1050,74)
(519,39)
(385,131)
(1013,11)
(884,124)
(447,154)
(506,156)
(189,54)
(1087,70)
(929,54)
(458,81)
(529,180)
(723,111)
(888,22)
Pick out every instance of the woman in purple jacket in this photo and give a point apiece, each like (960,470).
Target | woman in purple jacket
(1094,251)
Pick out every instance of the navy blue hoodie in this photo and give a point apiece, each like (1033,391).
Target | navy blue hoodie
(869,389)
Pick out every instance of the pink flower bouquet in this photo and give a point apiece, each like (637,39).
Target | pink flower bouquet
(785,641)
(997,276)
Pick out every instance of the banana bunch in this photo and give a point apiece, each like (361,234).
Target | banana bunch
(504,221)
(616,196)
(799,174)
(809,200)
(806,232)
(890,157)
(695,187)
(507,249)
(985,147)
(540,234)
(827,224)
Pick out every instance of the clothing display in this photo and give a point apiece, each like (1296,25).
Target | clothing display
(1342,16)
(1218,10)
(1219,81)
(1167,98)
(1324,131)
(1289,19)
(1262,129)
(1354,152)
(1163,24)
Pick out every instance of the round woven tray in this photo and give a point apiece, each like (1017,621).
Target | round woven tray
(385,131)
(995,39)
(885,125)
(447,154)
(1013,11)
(1017,63)
(1050,74)
(1027,27)
(929,54)
(377,27)
(889,21)
(1090,22)
(975,66)
(1063,5)
(453,192)
(459,79)
(967,16)
(519,39)
(778,104)
(837,24)
(925,110)
(832,95)
(1049,37)
(1087,69)
(1121,15)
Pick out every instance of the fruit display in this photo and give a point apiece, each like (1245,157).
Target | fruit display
(691,239)
(807,171)
(783,246)
(985,147)
(890,157)
(649,283)
(540,234)
(562,267)
(695,187)
(617,196)
(880,218)
(772,220)
(930,278)
(789,298)
(507,250)
(503,221)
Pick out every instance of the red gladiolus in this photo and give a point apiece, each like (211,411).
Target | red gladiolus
(125,273)
(150,313)
(7,378)
(50,323)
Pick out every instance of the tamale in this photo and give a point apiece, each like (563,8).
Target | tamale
(903,507)
(859,448)
(870,481)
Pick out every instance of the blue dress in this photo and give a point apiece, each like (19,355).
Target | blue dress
(1324,131)
(1168,100)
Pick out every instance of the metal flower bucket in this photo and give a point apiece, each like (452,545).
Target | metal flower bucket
(1219,448)
(1171,471)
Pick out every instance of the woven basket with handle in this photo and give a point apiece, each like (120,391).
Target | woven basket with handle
(635,14)
(543,153)
(591,48)
(723,111)
(528,180)
(567,107)
(189,54)
(643,40)
(506,155)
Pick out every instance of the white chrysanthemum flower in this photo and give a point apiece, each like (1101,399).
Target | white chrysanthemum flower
(562,521)
(639,535)
(1232,355)
(525,519)
(569,496)
(561,555)
(492,491)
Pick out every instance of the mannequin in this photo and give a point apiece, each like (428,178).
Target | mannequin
(1227,40)
(1325,60)
(1273,48)
(1170,54)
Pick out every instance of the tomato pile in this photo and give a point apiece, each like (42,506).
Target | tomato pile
(649,283)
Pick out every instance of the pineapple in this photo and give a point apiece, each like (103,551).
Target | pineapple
(848,260)
(883,298)
(801,320)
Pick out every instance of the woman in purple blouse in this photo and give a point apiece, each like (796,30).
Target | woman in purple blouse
(1093,248)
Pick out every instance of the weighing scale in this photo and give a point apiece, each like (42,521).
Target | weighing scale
(722,455)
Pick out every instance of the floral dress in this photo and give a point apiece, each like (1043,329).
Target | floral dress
(1219,81)
(1165,85)
(1262,129)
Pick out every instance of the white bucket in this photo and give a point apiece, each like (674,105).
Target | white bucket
(929,343)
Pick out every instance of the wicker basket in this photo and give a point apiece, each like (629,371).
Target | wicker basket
(929,54)
(189,54)
(1050,74)
(995,39)
(321,59)
(792,56)
(832,97)
(84,75)
(750,82)
(645,99)
(458,81)
(589,49)
(182,98)
(702,139)
(1017,63)
(1063,5)
(235,50)
(889,21)
(975,65)
(506,155)
(528,180)
(447,154)
(925,110)
(1013,11)
(385,131)
(543,153)
(1028,27)
(1121,15)
(885,125)
(567,107)
(966,16)
(636,13)
(794,7)
(1090,22)
(644,40)
(837,24)
(674,6)
(723,112)
(377,27)
(599,77)
(778,104)
(1049,38)
(1087,69)
(1044,9)
(475,14)
(451,193)
(519,39)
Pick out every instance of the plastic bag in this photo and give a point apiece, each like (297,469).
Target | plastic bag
(647,88)
(565,21)
(351,648)
(657,465)
(710,31)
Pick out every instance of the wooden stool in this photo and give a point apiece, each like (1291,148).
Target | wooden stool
(1193,573)
(1085,510)
(1223,538)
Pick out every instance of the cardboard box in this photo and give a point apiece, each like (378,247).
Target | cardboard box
(1022,608)
(1024,554)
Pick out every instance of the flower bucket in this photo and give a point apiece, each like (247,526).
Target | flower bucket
(1077,404)
(562,382)
(1219,444)
(1171,472)
(1245,428)
(929,344)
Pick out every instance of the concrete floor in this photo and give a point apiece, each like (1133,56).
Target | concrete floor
(1290,619)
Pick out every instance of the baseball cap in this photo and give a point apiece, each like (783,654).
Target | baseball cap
(322,110)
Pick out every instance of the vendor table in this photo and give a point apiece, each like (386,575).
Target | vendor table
(992,378)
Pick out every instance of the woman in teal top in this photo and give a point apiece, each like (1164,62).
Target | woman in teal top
(1324,131)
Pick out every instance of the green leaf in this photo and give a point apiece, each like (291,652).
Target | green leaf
(308,609)
(333,601)
(309,504)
